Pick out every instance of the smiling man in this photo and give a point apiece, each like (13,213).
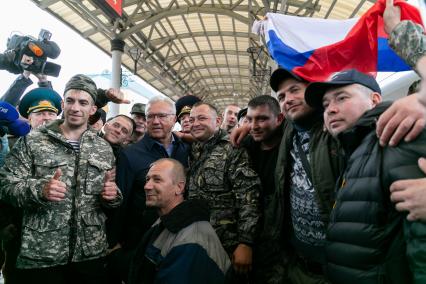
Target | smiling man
(222,175)
(307,168)
(182,246)
(116,131)
(62,184)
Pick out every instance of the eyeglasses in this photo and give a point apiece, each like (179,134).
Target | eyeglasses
(161,116)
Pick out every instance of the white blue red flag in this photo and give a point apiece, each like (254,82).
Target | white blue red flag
(315,48)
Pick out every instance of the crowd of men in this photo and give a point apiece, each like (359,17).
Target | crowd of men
(325,184)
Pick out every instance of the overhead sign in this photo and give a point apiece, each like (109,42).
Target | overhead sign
(113,8)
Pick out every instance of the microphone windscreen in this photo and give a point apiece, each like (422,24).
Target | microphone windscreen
(19,128)
(8,112)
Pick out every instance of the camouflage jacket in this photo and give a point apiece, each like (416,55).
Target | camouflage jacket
(408,41)
(55,233)
(221,174)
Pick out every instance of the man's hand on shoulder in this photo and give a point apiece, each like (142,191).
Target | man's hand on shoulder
(110,189)
(55,189)
(242,259)
(405,118)
(238,134)
(410,195)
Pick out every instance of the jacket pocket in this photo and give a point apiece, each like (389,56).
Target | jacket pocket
(45,238)
(46,167)
(94,237)
(95,176)
(214,176)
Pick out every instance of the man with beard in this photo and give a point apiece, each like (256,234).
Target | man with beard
(307,168)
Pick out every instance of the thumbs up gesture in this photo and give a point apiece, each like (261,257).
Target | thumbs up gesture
(109,192)
(55,189)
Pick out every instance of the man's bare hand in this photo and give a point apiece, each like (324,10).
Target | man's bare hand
(116,96)
(55,189)
(110,190)
(391,16)
(410,195)
(238,134)
(405,118)
(242,259)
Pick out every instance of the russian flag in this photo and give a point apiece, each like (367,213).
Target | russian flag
(315,48)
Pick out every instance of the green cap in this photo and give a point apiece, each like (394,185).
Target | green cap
(138,108)
(82,82)
(40,99)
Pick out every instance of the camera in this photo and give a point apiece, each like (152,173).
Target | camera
(31,54)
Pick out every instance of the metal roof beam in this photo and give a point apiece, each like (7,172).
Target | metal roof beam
(202,34)
(181,11)
(209,52)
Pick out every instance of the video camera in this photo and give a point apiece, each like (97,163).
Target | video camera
(28,53)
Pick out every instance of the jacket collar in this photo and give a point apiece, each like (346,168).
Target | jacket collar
(186,213)
(150,142)
(53,130)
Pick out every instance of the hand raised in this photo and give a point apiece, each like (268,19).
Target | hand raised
(116,96)
(110,189)
(55,189)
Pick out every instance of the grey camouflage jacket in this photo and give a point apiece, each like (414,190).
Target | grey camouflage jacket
(408,41)
(71,230)
(222,175)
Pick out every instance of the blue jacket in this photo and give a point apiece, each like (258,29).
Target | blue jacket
(181,248)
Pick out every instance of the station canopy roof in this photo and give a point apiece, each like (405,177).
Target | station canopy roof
(197,47)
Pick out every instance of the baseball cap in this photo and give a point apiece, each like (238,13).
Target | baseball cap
(316,91)
(279,75)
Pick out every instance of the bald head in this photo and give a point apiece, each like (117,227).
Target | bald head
(176,169)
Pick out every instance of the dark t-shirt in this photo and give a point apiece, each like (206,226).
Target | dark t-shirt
(263,162)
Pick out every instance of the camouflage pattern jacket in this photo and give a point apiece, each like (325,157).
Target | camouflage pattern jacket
(408,41)
(71,230)
(221,175)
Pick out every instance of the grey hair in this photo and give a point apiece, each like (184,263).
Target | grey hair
(158,99)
